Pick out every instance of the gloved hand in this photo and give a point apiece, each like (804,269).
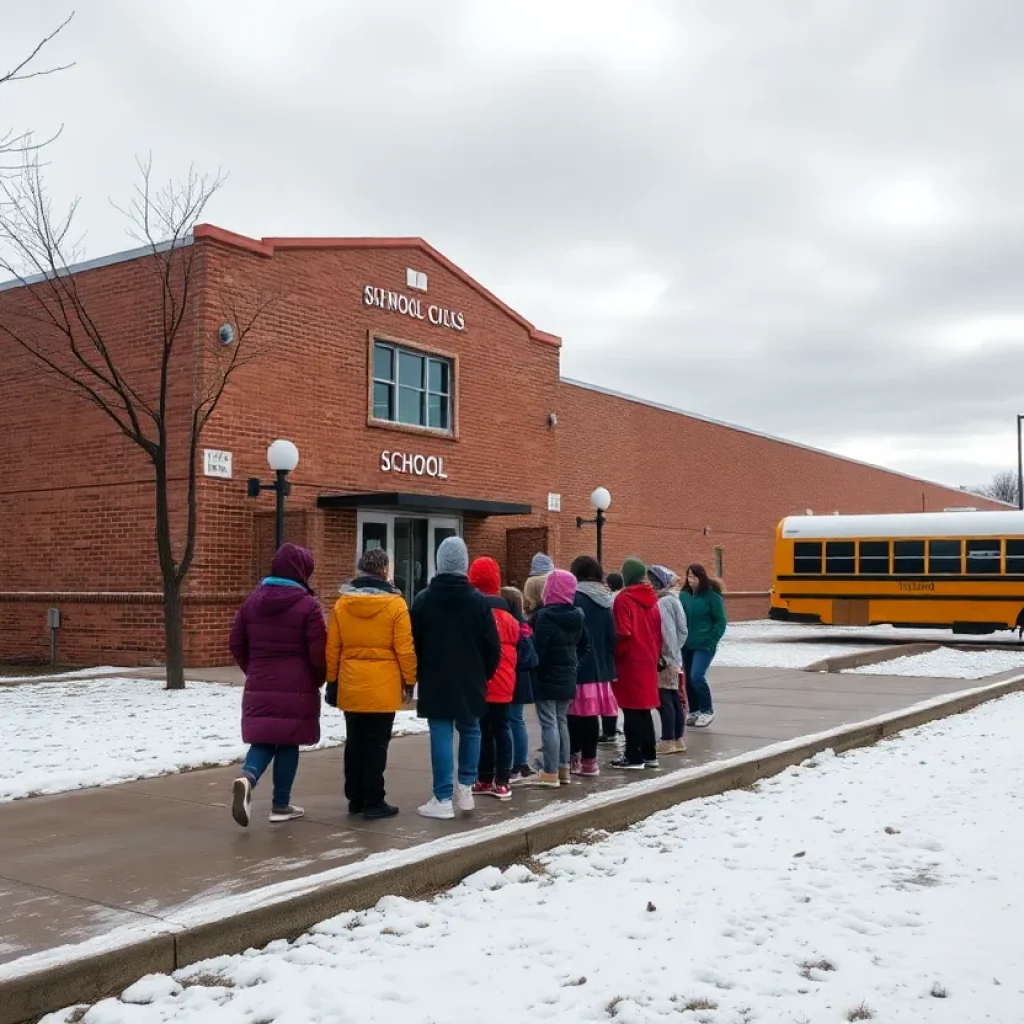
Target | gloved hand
(331,695)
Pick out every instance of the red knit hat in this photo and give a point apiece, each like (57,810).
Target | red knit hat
(485,575)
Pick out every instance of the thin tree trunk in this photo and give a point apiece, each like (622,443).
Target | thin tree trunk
(174,644)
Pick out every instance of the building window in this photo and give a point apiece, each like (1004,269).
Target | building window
(839,560)
(411,387)
(944,557)
(908,558)
(874,558)
(983,557)
(807,558)
(719,563)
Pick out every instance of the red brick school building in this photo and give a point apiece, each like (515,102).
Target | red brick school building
(421,406)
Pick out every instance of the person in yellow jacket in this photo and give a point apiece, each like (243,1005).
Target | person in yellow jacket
(371,667)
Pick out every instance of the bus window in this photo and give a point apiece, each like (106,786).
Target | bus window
(944,557)
(908,558)
(839,558)
(1015,557)
(983,557)
(874,558)
(807,558)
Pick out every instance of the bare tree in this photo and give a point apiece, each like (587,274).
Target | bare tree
(132,384)
(1002,487)
(14,142)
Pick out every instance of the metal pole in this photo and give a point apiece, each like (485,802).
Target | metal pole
(1020,465)
(600,526)
(282,487)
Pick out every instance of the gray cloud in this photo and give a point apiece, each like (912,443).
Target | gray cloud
(805,218)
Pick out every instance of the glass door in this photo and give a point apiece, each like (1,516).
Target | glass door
(374,532)
(440,530)
(410,561)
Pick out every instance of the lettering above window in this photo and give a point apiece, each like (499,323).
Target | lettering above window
(407,305)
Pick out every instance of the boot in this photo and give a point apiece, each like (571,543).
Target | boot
(590,767)
(563,775)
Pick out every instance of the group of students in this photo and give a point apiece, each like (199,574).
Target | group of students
(475,653)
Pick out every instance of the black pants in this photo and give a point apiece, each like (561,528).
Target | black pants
(639,729)
(495,745)
(609,725)
(673,719)
(366,756)
(583,735)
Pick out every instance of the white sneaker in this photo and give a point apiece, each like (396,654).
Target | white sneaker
(691,718)
(703,720)
(241,800)
(464,798)
(435,808)
(289,813)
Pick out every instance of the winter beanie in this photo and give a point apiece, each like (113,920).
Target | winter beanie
(453,557)
(633,571)
(375,562)
(560,587)
(485,575)
(662,576)
(541,564)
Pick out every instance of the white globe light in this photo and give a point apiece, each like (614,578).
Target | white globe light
(601,499)
(283,456)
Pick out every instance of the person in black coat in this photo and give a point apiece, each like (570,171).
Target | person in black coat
(457,651)
(560,639)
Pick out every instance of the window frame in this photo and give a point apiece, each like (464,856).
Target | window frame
(820,557)
(997,561)
(898,570)
(879,541)
(427,354)
(849,560)
(934,542)
(1018,558)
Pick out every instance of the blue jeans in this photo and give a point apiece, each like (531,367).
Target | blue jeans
(554,734)
(442,736)
(696,665)
(520,738)
(286,764)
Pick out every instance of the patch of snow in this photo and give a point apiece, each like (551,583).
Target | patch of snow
(948,663)
(766,629)
(81,673)
(146,731)
(888,878)
(151,988)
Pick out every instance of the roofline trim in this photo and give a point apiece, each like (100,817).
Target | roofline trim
(125,256)
(267,247)
(772,437)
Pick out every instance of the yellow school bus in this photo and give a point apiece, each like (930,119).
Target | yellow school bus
(959,570)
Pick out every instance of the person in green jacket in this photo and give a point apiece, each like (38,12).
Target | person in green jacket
(705,617)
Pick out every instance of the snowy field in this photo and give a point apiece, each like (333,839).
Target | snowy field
(881,885)
(948,664)
(74,733)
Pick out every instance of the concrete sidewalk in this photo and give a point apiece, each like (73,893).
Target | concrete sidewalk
(75,867)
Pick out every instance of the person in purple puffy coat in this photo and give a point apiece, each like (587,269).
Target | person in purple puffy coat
(279,641)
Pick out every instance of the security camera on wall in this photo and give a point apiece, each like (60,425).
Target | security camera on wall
(552,419)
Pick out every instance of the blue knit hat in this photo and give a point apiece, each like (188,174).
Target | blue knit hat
(541,564)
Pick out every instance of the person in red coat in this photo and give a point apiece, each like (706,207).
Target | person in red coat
(279,640)
(495,737)
(637,650)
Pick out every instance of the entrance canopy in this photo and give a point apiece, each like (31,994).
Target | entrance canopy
(423,503)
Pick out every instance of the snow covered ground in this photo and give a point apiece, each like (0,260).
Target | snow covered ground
(74,733)
(948,663)
(765,644)
(882,885)
(761,630)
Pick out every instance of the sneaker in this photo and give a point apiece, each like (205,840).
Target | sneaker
(563,775)
(607,741)
(514,779)
(289,813)
(441,809)
(482,789)
(680,746)
(241,800)
(666,747)
(589,768)
(575,764)
(547,781)
(380,811)
(654,764)
(500,792)
(703,720)
(463,799)
(525,773)
(691,718)
(629,766)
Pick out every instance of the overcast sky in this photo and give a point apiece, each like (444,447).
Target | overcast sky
(802,217)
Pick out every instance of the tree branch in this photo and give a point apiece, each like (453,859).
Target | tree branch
(20,72)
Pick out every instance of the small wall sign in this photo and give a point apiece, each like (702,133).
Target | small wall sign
(554,503)
(217,463)
(414,465)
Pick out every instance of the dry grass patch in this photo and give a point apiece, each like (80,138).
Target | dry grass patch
(816,965)
(862,1012)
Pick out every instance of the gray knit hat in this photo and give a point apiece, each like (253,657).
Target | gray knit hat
(453,557)
(661,576)
(541,564)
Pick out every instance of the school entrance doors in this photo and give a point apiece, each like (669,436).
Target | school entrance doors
(411,542)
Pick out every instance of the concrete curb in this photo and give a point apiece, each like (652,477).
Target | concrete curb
(91,977)
(843,662)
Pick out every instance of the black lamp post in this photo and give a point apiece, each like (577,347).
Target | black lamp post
(282,457)
(1020,464)
(600,500)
